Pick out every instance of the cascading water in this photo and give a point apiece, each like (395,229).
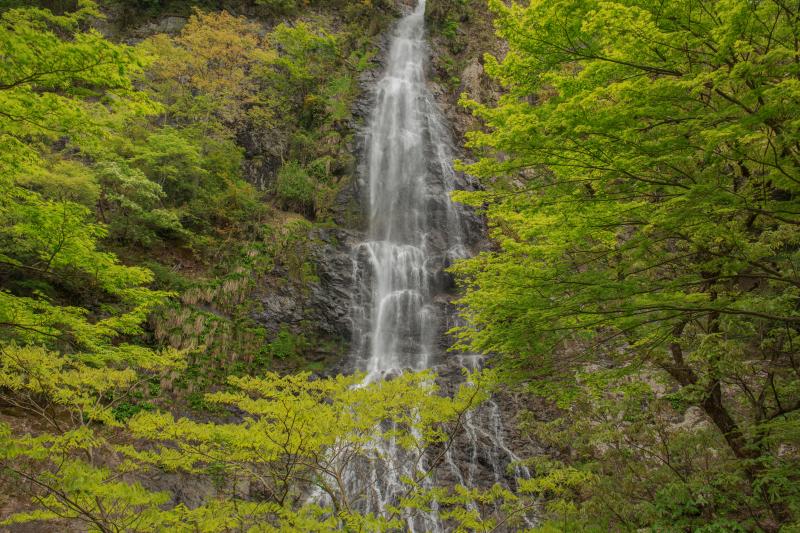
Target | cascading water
(399,301)
(413,226)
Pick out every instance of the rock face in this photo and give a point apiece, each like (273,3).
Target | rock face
(331,299)
(261,164)
(322,306)
(325,303)
(318,308)
(115,23)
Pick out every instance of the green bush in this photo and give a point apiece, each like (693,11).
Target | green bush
(286,344)
(294,188)
(126,410)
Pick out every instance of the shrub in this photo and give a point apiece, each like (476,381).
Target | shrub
(286,344)
(295,189)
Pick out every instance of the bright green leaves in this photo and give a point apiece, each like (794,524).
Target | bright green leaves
(295,188)
(321,424)
(297,434)
(55,87)
(644,179)
(61,360)
(172,161)
(659,165)
(46,225)
(58,238)
(58,88)
(135,201)
(78,388)
(73,489)
(305,52)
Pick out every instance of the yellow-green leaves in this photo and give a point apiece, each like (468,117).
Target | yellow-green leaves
(295,434)
(43,90)
(60,360)
(321,424)
(67,390)
(643,177)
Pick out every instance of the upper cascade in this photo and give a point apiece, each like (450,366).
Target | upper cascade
(414,228)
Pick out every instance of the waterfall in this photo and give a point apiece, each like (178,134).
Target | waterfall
(400,297)
(414,229)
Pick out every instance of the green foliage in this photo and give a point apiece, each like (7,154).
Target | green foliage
(63,360)
(298,431)
(172,161)
(125,410)
(644,196)
(312,83)
(294,187)
(278,7)
(68,309)
(136,150)
(73,489)
(311,421)
(445,15)
(286,344)
(221,78)
(130,202)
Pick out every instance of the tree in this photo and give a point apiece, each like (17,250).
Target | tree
(68,310)
(205,74)
(644,177)
(298,434)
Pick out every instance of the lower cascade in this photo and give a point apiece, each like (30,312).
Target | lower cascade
(400,311)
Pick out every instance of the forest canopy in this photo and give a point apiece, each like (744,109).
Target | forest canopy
(641,176)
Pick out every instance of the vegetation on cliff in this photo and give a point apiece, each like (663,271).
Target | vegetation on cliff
(130,240)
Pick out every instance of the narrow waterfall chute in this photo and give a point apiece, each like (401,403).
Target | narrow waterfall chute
(400,310)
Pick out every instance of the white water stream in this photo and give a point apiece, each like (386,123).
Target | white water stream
(415,231)
(413,225)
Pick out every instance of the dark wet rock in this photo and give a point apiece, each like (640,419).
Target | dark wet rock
(322,304)
(171,25)
(347,210)
(261,160)
(331,298)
